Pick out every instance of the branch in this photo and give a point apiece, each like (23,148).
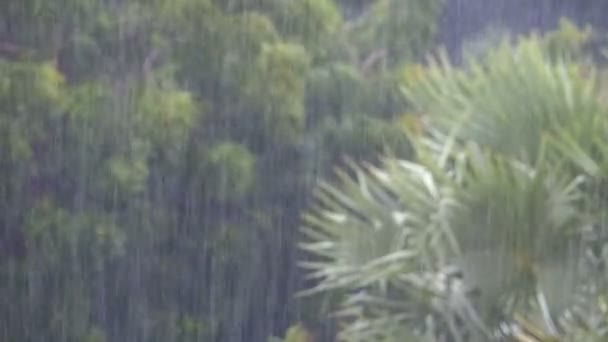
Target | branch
(373,59)
(149,61)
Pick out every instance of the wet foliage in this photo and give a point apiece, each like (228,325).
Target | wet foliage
(156,157)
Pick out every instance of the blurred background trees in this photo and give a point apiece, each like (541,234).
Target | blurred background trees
(156,156)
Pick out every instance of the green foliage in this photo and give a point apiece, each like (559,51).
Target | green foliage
(96,335)
(568,40)
(52,229)
(509,83)
(155,156)
(281,68)
(334,90)
(493,220)
(31,97)
(312,23)
(295,333)
(359,137)
(40,28)
(230,171)
(167,115)
(383,28)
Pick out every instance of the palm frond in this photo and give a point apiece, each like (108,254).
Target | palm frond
(491,222)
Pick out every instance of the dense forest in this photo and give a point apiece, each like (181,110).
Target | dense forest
(160,162)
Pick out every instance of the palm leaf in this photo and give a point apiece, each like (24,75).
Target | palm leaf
(498,202)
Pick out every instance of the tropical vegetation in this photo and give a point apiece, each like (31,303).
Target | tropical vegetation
(156,157)
(495,229)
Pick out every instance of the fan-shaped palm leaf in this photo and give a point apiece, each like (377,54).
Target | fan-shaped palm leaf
(497,204)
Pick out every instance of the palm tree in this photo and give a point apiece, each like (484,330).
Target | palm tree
(496,229)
